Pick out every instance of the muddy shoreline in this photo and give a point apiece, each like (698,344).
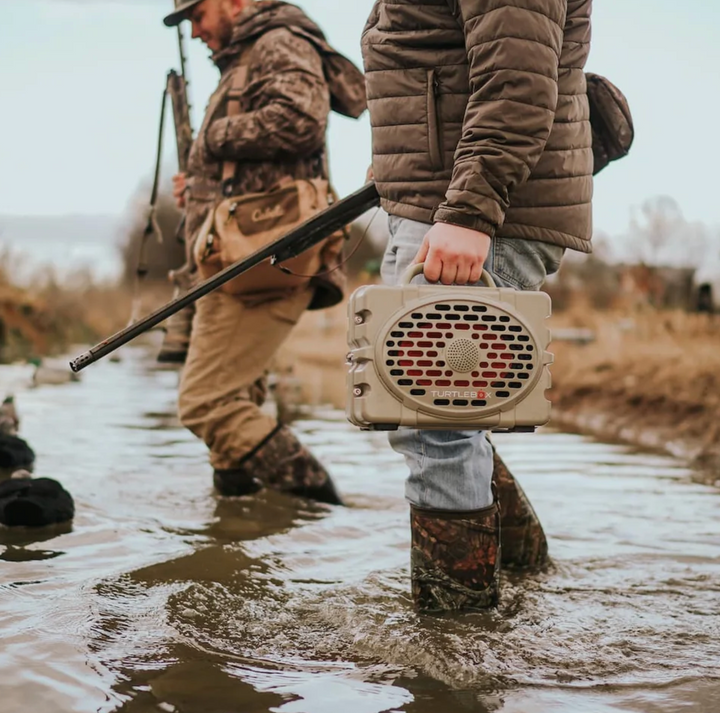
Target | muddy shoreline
(657,438)
(674,428)
(646,378)
(650,379)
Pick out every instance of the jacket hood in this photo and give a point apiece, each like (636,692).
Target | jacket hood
(345,81)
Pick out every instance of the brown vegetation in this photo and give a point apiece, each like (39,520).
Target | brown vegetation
(48,314)
(650,377)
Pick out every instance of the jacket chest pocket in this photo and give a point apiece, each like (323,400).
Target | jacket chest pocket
(434,121)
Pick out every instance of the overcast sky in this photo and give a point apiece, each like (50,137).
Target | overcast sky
(81,80)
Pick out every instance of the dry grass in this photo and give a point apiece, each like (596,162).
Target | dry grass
(650,377)
(47,315)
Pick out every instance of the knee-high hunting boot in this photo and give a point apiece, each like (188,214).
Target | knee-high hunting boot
(455,559)
(283,463)
(524,545)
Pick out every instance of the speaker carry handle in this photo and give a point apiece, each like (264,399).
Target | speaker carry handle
(417,268)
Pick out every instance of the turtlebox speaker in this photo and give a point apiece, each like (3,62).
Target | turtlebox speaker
(448,357)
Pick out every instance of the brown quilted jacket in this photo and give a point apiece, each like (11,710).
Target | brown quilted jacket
(480,114)
(294,79)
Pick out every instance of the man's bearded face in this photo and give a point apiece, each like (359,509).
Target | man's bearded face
(213,22)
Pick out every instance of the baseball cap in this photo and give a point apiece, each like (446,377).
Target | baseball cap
(180,13)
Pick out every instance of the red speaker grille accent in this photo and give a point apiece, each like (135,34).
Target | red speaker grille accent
(459,354)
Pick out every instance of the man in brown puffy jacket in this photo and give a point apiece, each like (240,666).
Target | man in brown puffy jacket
(275,61)
(482,156)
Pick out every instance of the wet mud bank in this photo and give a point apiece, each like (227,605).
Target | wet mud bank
(648,379)
(651,381)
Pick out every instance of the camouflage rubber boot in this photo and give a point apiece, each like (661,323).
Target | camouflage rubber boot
(524,545)
(455,559)
(176,341)
(283,463)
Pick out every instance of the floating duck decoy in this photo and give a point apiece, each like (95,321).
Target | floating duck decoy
(51,374)
(9,419)
(15,455)
(28,502)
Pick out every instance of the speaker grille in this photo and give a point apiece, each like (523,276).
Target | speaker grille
(457,355)
(463,355)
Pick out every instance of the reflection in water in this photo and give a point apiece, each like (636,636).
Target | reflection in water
(162,597)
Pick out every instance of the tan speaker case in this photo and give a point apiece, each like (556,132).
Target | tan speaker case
(431,356)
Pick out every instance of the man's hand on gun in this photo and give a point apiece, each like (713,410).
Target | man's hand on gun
(179,188)
(453,255)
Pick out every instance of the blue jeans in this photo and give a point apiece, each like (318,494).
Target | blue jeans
(452,470)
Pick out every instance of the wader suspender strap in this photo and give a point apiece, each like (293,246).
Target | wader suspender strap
(237,87)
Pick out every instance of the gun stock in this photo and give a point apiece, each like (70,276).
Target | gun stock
(298,240)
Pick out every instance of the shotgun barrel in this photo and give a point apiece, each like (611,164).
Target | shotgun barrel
(301,238)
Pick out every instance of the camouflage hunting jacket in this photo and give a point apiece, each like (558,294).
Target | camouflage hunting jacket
(294,80)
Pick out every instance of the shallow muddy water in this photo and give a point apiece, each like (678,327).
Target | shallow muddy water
(164,598)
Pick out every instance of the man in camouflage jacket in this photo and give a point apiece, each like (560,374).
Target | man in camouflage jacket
(294,79)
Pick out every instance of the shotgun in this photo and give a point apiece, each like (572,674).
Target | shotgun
(312,231)
(177,89)
(177,330)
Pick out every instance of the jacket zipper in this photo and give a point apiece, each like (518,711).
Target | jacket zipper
(434,124)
